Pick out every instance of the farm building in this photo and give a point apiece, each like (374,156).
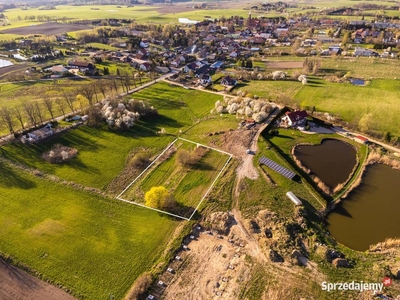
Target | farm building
(361,139)
(295,118)
(40,134)
(293,197)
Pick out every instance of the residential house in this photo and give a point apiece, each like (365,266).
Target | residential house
(295,118)
(145,66)
(218,64)
(144,43)
(205,80)
(84,66)
(364,52)
(228,81)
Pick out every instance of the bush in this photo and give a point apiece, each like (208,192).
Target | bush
(140,286)
(59,154)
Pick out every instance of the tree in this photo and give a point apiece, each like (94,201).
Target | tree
(61,104)
(31,113)
(95,117)
(69,99)
(102,87)
(387,137)
(5,115)
(48,103)
(39,112)
(19,116)
(88,91)
(159,197)
(345,38)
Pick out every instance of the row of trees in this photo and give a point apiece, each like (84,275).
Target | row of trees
(27,114)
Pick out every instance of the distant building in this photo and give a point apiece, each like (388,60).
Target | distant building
(228,81)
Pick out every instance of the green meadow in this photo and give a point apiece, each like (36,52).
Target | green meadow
(93,246)
(187,185)
(102,153)
(374,107)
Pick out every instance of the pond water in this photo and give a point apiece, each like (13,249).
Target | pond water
(371,212)
(357,81)
(332,161)
(5,63)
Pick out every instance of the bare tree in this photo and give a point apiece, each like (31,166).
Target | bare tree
(19,116)
(61,105)
(134,78)
(6,117)
(31,112)
(88,91)
(48,103)
(69,99)
(39,112)
(103,87)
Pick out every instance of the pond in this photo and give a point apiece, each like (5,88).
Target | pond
(371,212)
(332,161)
(357,81)
(5,63)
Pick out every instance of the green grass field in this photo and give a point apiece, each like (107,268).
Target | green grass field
(187,185)
(93,246)
(96,247)
(378,101)
(102,153)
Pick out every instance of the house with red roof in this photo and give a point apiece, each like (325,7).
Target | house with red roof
(295,118)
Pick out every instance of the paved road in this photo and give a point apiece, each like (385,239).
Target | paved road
(343,132)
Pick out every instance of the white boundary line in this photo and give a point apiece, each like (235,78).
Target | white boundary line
(152,163)
(211,186)
(156,159)
(155,209)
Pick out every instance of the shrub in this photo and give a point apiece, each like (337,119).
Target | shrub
(140,286)
(59,154)
(159,197)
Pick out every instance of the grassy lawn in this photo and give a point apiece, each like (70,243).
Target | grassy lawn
(102,46)
(93,246)
(98,162)
(377,102)
(187,184)
(179,108)
(271,90)
(101,153)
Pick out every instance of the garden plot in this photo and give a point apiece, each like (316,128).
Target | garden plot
(184,172)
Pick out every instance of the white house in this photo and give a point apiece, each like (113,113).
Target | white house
(364,52)
(41,133)
(295,118)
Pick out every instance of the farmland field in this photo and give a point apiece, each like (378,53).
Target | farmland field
(373,107)
(93,246)
(45,28)
(187,185)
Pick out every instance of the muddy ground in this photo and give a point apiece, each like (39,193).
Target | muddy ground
(16,284)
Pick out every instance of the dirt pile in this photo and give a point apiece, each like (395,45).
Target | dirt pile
(220,222)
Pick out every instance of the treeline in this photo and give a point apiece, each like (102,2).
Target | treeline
(19,118)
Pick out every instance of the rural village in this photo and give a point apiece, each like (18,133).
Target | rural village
(201,150)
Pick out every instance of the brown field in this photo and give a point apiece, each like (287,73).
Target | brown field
(284,64)
(17,284)
(46,28)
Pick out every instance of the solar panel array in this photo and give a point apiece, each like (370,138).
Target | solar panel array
(277,167)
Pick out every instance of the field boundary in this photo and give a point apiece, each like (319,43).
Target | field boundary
(119,197)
